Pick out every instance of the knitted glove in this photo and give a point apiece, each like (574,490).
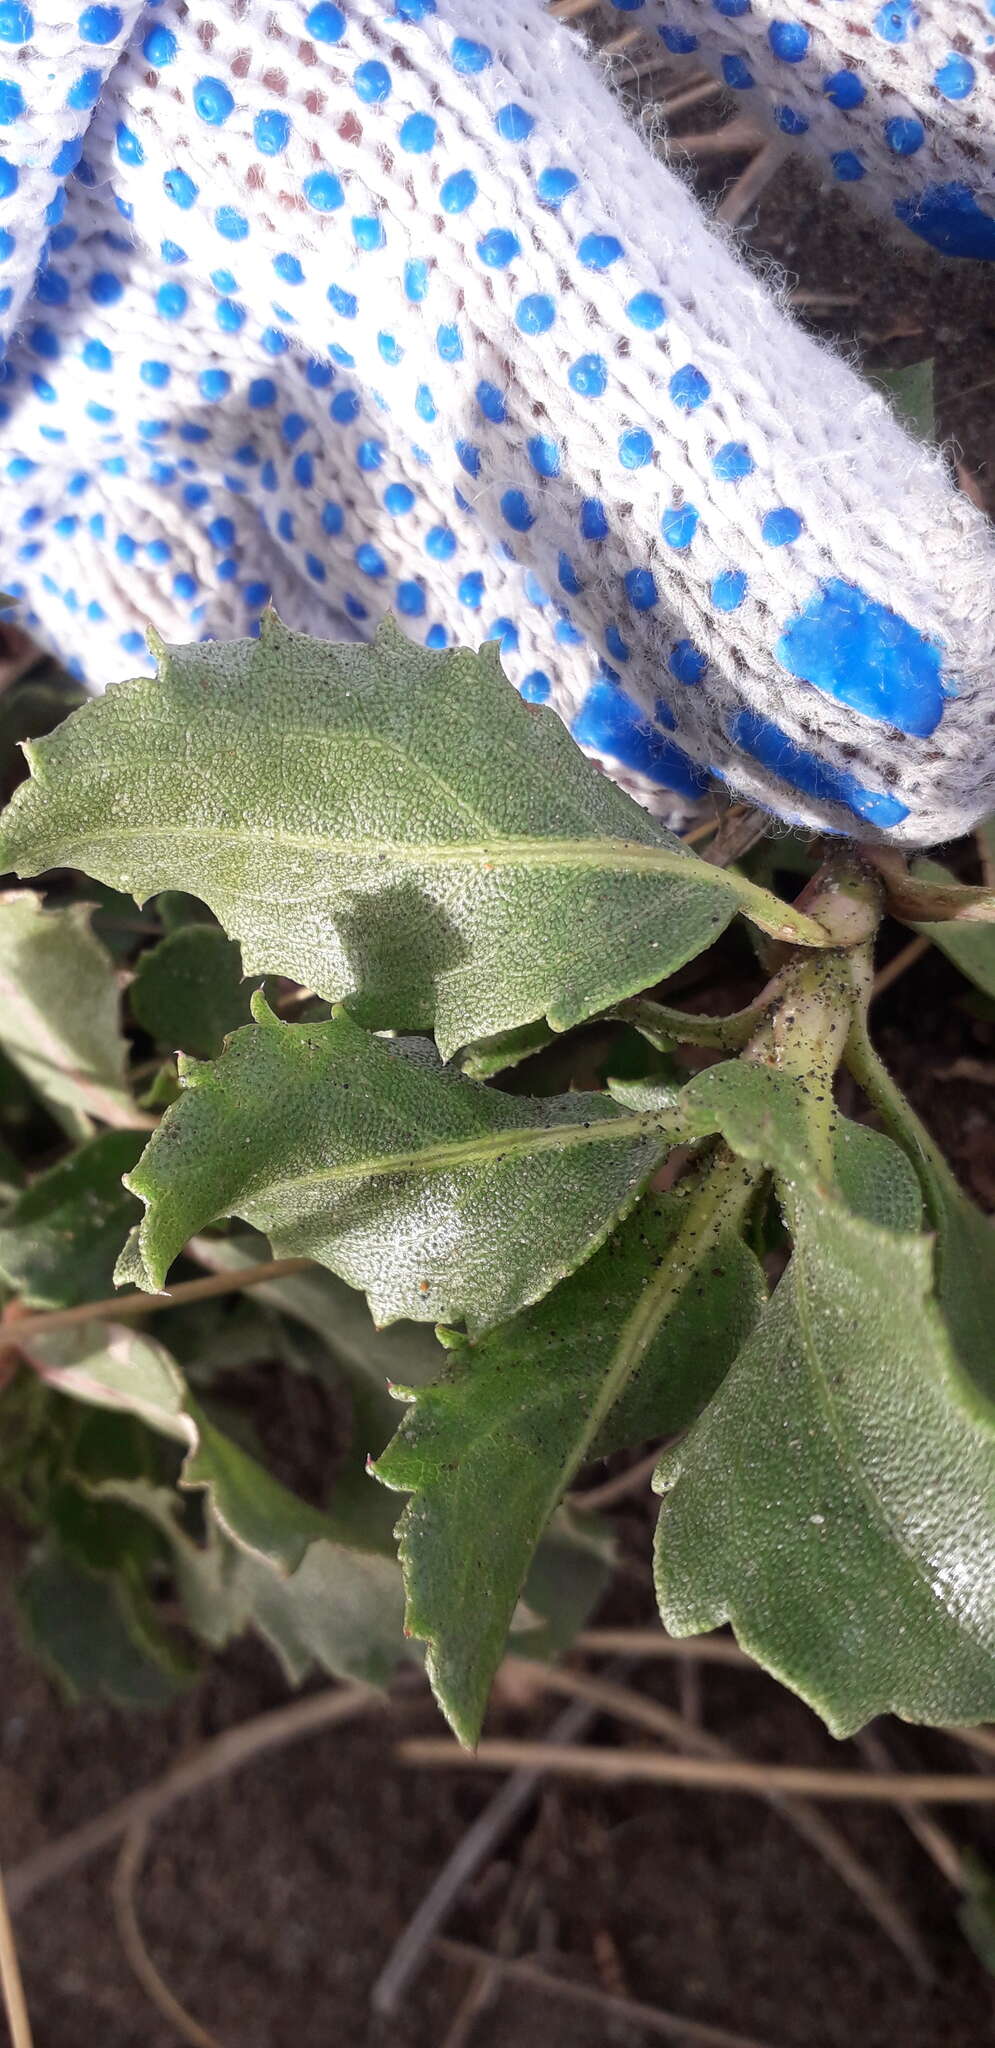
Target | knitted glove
(55,71)
(363,306)
(895,99)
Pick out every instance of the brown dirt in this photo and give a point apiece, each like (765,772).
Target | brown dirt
(271,1901)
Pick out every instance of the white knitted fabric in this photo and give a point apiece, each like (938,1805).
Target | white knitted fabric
(383,304)
(895,98)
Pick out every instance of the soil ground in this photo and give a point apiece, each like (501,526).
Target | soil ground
(271,1901)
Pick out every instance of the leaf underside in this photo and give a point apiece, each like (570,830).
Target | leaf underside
(59,1008)
(316,1600)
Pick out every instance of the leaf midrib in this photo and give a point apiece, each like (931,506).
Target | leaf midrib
(655,1303)
(603,856)
(366,738)
(721,1196)
(538,852)
(484,1148)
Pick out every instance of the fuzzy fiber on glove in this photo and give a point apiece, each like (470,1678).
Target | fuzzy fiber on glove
(895,100)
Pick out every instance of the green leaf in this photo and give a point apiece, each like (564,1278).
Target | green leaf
(11,1172)
(175,911)
(836,1500)
(163,1089)
(640,1076)
(253,1509)
(314,1599)
(60,1240)
(344,1620)
(910,391)
(629,1347)
(659,1095)
(188,992)
(401,825)
(102,1536)
(27,1125)
(762,1113)
(965,1278)
(570,1571)
(437,1196)
(970,945)
(965,1239)
(59,1019)
(875,1178)
(87,1631)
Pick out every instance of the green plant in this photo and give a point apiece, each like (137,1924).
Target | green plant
(436,886)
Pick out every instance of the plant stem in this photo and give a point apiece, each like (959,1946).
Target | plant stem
(897,1114)
(123,1886)
(726,1188)
(812,1003)
(117,1306)
(14,2002)
(661,1025)
(845,897)
(640,1766)
(917,900)
(653,1642)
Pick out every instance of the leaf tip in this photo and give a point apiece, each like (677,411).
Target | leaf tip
(466,1720)
(262,1013)
(389,639)
(270,624)
(133,1268)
